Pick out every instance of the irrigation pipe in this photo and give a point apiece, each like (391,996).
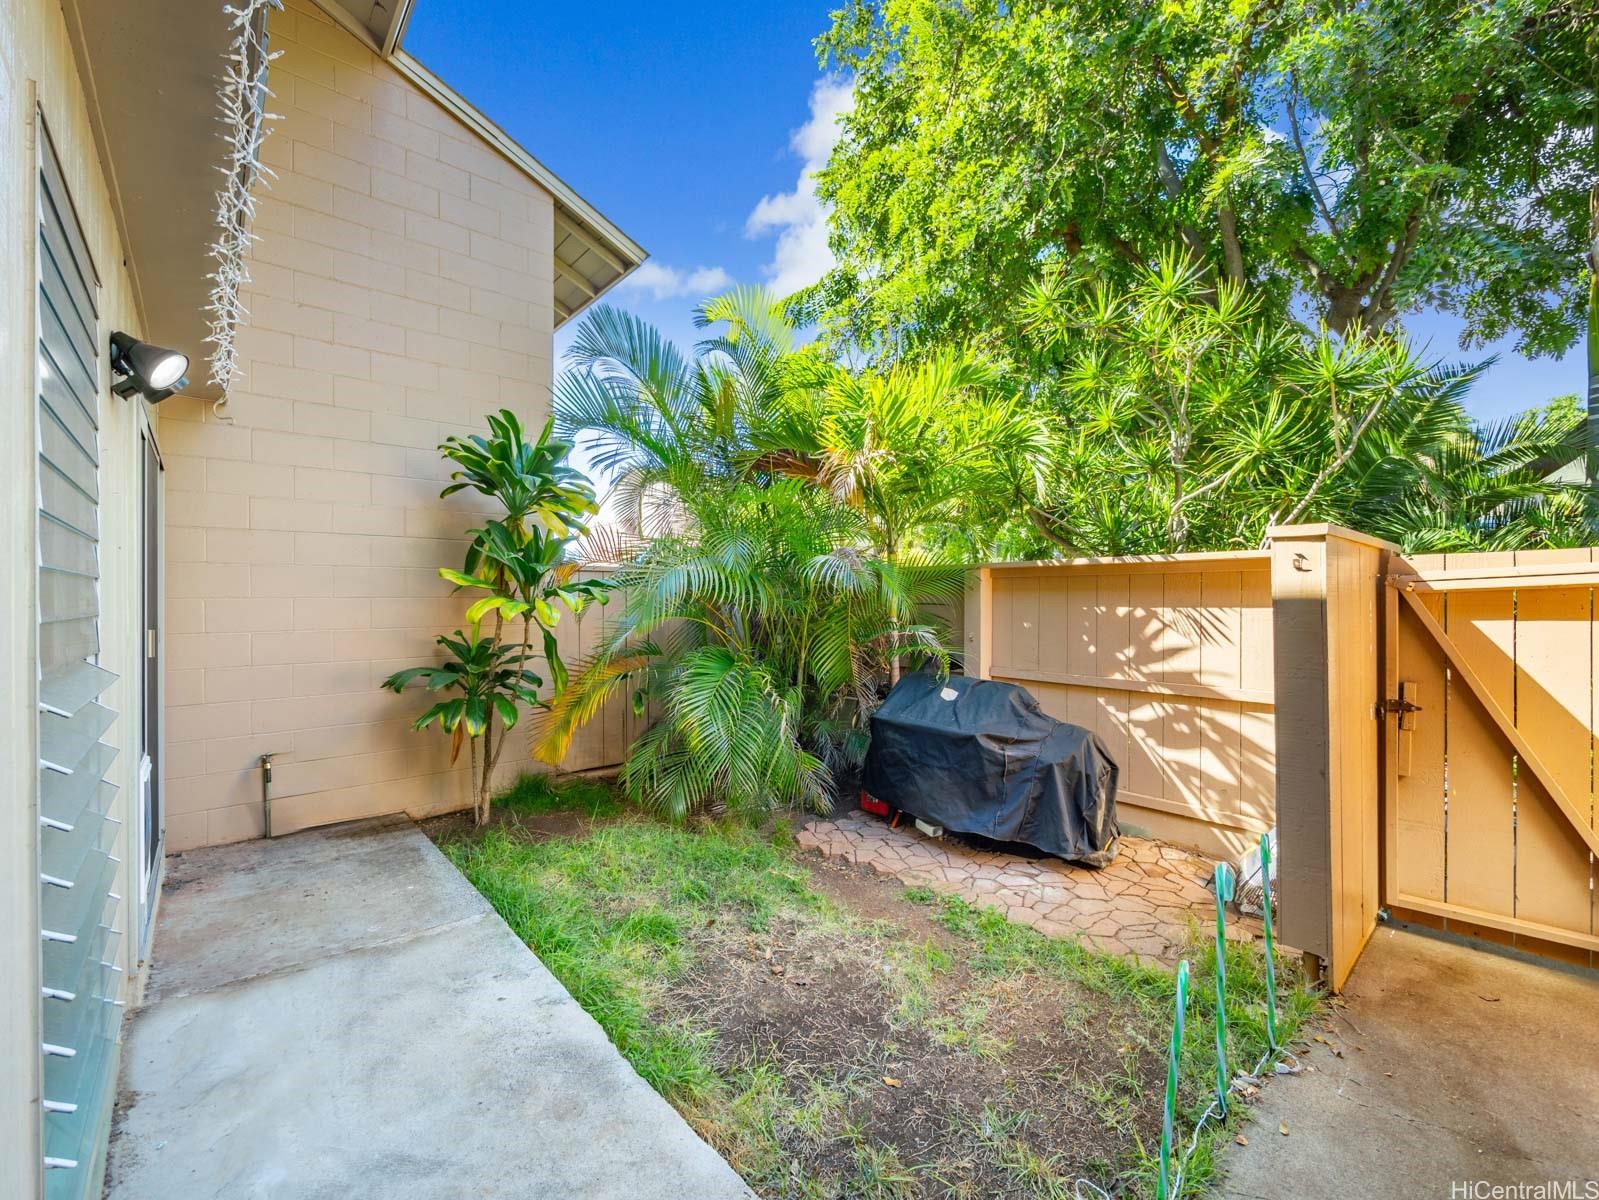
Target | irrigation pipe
(1170,1185)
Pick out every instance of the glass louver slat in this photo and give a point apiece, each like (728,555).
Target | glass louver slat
(68,688)
(71,597)
(65,500)
(66,856)
(62,797)
(63,641)
(70,909)
(71,1135)
(78,909)
(63,358)
(73,967)
(59,409)
(92,978)
(65,289)
(65,454)
(62,548)
(66,742)
(71,1024)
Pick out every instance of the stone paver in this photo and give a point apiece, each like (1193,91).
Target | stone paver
(1140,905)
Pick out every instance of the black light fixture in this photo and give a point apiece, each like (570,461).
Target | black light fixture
(152,370)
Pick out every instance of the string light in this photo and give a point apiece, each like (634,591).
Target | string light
(241,102)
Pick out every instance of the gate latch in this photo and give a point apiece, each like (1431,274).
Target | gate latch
(1402,707)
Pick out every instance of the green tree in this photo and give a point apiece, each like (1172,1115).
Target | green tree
(1187,419)
(759,638)
(1369,160)
(519,561)
(787,510)
(936,456)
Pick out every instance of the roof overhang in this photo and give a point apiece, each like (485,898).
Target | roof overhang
(151,73)
(591,254)
(382,20)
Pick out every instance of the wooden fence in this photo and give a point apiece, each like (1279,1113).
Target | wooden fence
(1168,659)
(602,742)
(1489,829)
(1435,748)
(1421,731)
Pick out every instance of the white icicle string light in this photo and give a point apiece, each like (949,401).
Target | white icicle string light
(242,104)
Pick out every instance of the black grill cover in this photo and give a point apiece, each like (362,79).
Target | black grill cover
(976,756)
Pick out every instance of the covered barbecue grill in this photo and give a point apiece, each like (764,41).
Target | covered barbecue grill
(981,757)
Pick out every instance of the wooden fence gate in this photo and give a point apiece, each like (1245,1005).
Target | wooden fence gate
(1488,708)
(1420,731)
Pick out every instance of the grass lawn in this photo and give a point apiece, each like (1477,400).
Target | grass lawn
(834,1034)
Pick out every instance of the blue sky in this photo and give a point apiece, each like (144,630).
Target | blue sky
(691,129)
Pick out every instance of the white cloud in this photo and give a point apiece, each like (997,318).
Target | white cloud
(663,282)
(801,255)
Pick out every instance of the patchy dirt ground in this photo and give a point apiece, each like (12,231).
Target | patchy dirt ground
(833,1032)
(968,1084)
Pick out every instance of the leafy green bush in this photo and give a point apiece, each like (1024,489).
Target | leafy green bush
(787,516)
(519,560)
(1186,418)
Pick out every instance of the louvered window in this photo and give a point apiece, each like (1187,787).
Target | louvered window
(78,910)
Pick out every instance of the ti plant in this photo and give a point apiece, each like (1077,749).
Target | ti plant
(519,562)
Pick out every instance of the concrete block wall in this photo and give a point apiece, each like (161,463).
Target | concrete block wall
(401,290)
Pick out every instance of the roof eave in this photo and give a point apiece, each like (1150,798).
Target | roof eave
(614,253)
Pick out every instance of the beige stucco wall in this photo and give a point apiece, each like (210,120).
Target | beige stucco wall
(402,289)
(37,68)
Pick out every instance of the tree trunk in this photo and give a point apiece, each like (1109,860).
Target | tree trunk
(472,774)
(1232,250)
(481,803)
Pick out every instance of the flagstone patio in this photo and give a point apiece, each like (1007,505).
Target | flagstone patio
(1142,904)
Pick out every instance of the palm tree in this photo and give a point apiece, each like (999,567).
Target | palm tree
(779,594)
(761,639)
(661,425)
(1467,486)
(931,453)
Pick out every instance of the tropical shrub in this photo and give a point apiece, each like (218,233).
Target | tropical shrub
(787,522)
(784,555)
(1478,487)
(519,561)
(936,456)
(760,638)
(1186,418)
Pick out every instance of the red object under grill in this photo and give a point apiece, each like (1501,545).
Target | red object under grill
(873,805)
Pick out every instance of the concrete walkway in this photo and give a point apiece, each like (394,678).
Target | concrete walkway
(1141,904)
(1457,1065)
(340,1014)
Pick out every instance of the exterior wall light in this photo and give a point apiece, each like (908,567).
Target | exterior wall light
(152,370)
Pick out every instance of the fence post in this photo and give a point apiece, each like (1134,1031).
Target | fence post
(979,617)
(1325,585)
